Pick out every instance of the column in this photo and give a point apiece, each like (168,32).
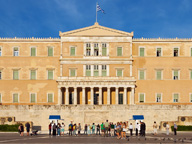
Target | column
(125,96)
(92,100)
(100,95)
(92,70)
(108,95)
(66,95)
(92,49)
(83,95)
(75,95)
(132,97)
(59,96)
(117,95)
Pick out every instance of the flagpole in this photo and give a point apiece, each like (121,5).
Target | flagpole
(96,12)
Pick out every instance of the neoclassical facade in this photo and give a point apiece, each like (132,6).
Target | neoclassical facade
(95,65)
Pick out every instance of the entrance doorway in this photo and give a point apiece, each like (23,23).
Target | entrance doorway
(71,97)
(96,99)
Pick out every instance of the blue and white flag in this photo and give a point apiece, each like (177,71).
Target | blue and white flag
(100,9)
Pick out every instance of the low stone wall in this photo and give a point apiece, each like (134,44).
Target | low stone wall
(39,114)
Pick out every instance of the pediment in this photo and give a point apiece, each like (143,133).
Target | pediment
(96,31)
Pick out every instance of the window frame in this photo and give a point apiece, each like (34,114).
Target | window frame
(174,76)
(119,98)
(18,74)
(173,97)
(48,74)
(0,97)
(74,70)
(1,77)
(103,70)
(121,51)
(156,97)
(140,51)
(35,74)
(48,51)
(1,50)
(52,97)
(160,53)
(190,97)
(71,49)
(178,51)
(139,97)
(190,74)
(122,70)
(161,74)
(35,97)
(14,51)
(31,51)
(13,97)
(95,70)
(144,74)
(89,70)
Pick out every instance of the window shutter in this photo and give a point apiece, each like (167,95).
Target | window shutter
(72,51)
(158,74)
(142,51)
(88,73)
(119,73)
(104,51)
(0,99)
(191,74)
(15,74)
(50,74)
(72,72)
(32,98)
(15,98)
(96,73)
(141,97)
(33,51)
(119,51)
(16,49)
(176,73)
(50,51)
(191,98)
(33,74)
(104,73)
(141,74)
(176,97)
(50,97)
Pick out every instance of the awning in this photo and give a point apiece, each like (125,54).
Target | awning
(138,117)
(55,117)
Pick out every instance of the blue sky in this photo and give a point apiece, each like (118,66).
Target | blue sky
(45,18)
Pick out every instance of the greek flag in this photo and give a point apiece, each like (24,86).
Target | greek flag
(100,9)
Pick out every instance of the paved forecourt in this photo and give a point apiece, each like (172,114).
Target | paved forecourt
(43,138)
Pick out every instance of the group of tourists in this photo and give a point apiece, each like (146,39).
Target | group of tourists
(21,129)
(105,129)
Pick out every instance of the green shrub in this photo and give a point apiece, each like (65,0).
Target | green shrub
(182,128)
(9,128)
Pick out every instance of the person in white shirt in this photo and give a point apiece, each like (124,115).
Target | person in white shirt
(137,128)
(62,128)
(167,128)
(131,129)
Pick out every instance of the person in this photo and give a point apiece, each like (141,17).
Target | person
(89,129)
(115,129)
(102,129)
(155,128)
(70,128)
(118,130)
(50,128)
(79,129)
(144,129)
(112,129)
(93,128)
(106,128)
(123,132)
(167,128)
(74,129)
(175,128)
(140,132)
(85,129)
(131,129)
(137,129)
(62,129)
(27,125)
(22,130)
(98,129)
(54,129)
(58,129)
(109,129)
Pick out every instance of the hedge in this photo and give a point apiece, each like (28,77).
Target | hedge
(9,128)
(182,128)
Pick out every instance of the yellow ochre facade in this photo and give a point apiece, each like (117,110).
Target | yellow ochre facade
(95,65)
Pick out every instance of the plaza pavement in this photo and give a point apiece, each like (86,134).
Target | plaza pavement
(13,138)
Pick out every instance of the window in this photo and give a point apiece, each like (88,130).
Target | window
(141,52)
(190,74)
(176,52)
(88,49)
(15,98)
(0,98)
(0,74)
(141,97)
(33,74)
(158,74)
(175,97)
(158,97)
(120,98)
(104,70)
(50,74)
(104,49)
(141,74)
(88,70)
(96,70)
(158,52)
(50,97)
(72,51)
(72,72)
(191,97)
(33,51)
(50,51)
(32,97)
(15,74)
(119,73)
(0,51)
(96,49)
(175,74)
(15,51)
(119,51)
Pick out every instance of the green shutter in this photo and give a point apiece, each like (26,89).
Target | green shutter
(72,72)
(176,73)
(32,98)
(33,74)
(158,74)
(119,73)
(16,49)
(15,74)
(50,51)
(88,73)
(119,51)
(141,98)
(142,51)
(141,74)
(191,74)
(50,74)
(33,51)
(96,73)
(191,98)
(15,98)
(0,99)
(50,97)
(175,97)
(72,51)
(104,51)
(104,73)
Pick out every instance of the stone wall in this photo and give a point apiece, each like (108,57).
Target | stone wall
(88,114)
